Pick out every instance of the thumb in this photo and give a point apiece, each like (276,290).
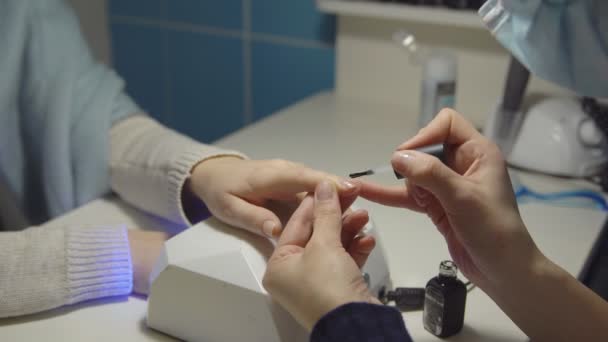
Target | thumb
(251,217)
(429,173)
(327,215)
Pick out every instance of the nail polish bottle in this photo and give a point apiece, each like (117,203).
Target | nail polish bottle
(444,302)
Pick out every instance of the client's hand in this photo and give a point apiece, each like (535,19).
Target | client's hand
(245,193)
(145,250)
(310,275)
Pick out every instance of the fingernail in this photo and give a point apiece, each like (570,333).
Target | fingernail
(268,228)
(324,191)
(403,158)
(347,185)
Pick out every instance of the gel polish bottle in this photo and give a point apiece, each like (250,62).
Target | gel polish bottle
(444,302)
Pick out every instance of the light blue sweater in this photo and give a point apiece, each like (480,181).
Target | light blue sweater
(56,108)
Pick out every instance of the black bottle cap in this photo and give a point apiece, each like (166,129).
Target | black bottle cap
(448,268)
(434,150)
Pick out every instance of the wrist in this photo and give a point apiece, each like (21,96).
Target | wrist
(512,257)
(202,171)
(529,274)
(359,296)
(543,271)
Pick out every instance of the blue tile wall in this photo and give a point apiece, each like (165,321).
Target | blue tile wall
(284,74)
(207,82)
(194,63)
(138,59)
(137,8)
(226,14)
(296,19)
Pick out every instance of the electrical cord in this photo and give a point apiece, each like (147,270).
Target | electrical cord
(412,298)
(578,198)
(597,199)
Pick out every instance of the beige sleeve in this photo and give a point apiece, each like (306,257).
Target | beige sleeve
(46,267)
(150,164)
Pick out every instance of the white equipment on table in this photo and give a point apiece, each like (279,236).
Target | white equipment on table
(207,286)
(550,135)
(556,137)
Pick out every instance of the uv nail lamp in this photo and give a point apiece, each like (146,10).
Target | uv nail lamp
(207,286)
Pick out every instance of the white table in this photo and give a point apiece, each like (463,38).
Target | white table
(340,136)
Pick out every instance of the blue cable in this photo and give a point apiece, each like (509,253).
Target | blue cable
(595,197)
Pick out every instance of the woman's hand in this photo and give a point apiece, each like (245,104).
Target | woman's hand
(316,265)
(470,200)
(256,194)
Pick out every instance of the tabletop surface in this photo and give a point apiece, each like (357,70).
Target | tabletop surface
(339,136)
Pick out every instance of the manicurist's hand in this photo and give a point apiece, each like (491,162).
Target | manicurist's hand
(316,265)
(470,200)
(249,193)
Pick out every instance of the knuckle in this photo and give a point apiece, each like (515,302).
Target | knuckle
(467,195)
(328,212)
(265,173)
(280,164)
(269,280)
(226,208)
(427,168)
(492,151)
(300,172)
(298,166)
(499,156)
(448,113)
(491,146)
(501,162)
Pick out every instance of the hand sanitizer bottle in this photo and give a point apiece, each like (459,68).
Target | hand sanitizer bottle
(440,71)
(438,85)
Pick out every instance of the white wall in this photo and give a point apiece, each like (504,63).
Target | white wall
(93,17)
(371,66)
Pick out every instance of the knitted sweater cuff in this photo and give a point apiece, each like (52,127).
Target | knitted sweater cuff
(98,263)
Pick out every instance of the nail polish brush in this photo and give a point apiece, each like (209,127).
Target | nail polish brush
(434,150)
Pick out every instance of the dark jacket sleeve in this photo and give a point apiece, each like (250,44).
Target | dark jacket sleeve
(361,322)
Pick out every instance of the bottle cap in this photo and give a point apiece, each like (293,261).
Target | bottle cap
(448,268)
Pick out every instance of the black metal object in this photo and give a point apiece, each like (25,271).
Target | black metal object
(599,114)
(595,271)
(509,117)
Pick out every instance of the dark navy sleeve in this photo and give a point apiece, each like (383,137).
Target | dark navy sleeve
(361,322)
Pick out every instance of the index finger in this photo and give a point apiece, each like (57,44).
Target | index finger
(393,196)
(283,179)
(448,127)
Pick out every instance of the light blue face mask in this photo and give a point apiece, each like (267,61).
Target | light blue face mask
(562,41)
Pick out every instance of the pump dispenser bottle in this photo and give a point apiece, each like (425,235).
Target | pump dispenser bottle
(438,85)
(439,75)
